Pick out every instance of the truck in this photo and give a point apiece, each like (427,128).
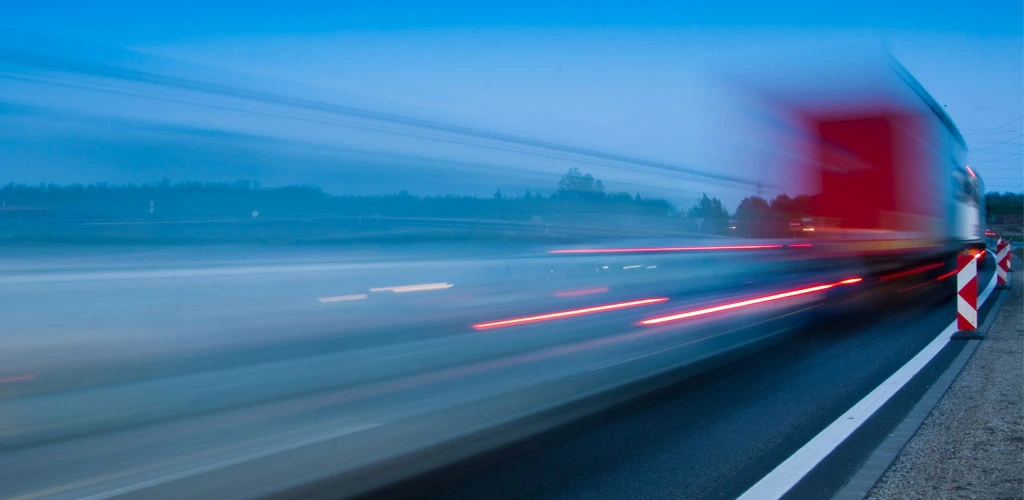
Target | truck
(889,169)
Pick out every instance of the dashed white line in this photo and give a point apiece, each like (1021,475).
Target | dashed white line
(342,298)
(413,288)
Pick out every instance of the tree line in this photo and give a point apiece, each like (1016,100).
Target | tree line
(577,194)
(1005,204)
(758,217)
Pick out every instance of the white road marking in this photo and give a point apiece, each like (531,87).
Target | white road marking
(632,267)
(784,477)
(266,452)
(342,298)
(413,288)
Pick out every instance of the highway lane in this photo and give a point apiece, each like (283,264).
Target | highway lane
(132,397)
(715,435)
(72,313)
(322,390)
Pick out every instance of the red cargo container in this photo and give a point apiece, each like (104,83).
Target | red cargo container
(877,178)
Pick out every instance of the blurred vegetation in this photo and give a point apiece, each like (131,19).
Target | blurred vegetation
(1005,207)
(577,194)
(244,211)
(578,197)
(1006,214)
(757,217)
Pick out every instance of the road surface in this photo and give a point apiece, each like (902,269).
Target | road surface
(240,372)
(715,435)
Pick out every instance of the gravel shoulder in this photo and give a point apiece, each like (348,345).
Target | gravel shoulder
(972,443)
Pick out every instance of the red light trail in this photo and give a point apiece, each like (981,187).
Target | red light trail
(749,302)
(660,249)
(566,314)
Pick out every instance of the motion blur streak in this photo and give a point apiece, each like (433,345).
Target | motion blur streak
(750,302)
(566,314)
(911,272)
(662,249)
(20,378)
(944,276)
(801,245)
(578,293)
(413,288)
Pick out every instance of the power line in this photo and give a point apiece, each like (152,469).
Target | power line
(106,71)
(997,127)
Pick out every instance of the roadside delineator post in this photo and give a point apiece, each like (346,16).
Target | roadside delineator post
(1009,256)
(1002,264)
(966,298)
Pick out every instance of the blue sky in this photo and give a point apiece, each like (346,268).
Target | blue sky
(128,22)
(622,77)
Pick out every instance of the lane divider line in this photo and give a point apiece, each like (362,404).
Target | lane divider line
(786,475)
(413,288)
(342,298)
(878,463)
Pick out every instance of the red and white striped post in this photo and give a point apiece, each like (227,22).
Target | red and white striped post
(966,297)
(1002,264)
(1009,257)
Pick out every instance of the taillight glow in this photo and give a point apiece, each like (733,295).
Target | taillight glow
(578,293)
(749,302)
(913,271)
(19,378)
(801,245)
(660,249)
(566,314)
(944,276)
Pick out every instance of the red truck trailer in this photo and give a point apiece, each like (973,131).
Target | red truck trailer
(888,167)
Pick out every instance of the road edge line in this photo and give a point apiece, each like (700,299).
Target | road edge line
(862,481)
(791,471)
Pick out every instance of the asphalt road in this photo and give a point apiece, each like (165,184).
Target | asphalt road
(714,435)
(243,372)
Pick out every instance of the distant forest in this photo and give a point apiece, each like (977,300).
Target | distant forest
(576,195)
(1005,205)
(758,217)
